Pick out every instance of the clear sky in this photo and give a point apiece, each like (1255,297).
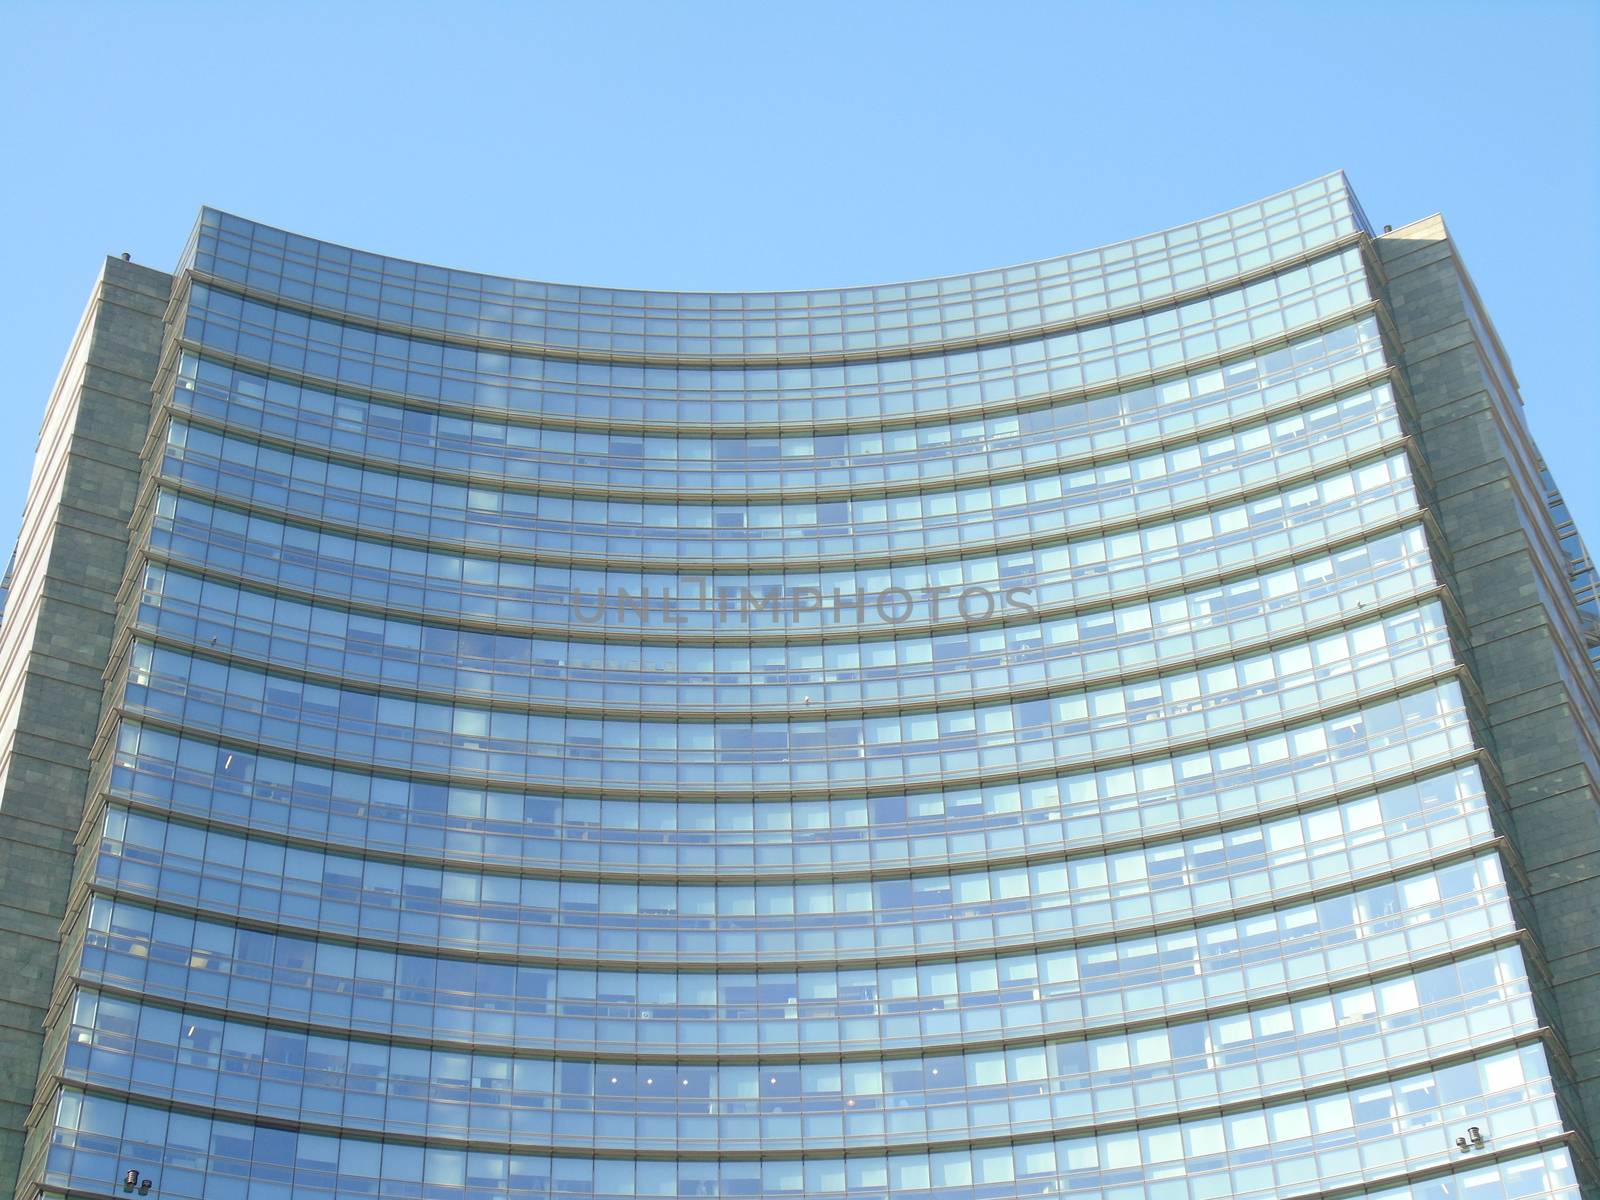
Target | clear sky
(706,146)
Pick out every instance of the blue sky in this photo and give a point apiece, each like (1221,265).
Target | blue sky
(707,146)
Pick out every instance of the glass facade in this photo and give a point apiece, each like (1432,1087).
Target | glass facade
(1003,735)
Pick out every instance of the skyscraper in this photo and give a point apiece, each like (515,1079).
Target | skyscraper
(1122,725)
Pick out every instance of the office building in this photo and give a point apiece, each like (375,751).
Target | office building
(1123,725)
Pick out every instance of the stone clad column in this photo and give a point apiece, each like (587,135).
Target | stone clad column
(55,638)
(1527,637)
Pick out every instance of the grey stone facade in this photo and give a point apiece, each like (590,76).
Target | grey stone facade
(1525,633)
(56,639)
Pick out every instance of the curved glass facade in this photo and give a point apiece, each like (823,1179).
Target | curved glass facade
(1003,735)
